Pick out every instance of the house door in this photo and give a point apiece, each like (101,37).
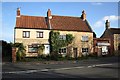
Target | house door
(75,52)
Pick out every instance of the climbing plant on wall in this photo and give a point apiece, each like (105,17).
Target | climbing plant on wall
(56,43)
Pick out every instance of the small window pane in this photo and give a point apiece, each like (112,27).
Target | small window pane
(26,34)
(39,34)
(62,37)
(59,50)
(62,50)
(84,49)
(84,38)
(32,49)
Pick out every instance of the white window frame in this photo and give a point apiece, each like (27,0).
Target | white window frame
(86,50)
(84,38)
(62,50)
(26,34)
(31,47)
(39,34)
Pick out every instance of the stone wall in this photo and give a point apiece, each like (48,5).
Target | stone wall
(77,43)
(116,41)
(14,50)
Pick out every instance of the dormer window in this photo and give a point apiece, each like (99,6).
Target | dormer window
(84,38)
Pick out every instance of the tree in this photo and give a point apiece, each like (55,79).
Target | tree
(20,54)
(40,49)
(56,43)
(69,38)
(6,50)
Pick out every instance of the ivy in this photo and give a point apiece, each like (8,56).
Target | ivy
(40,49)
(69,38)
(56,43)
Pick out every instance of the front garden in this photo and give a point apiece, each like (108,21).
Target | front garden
(56,57)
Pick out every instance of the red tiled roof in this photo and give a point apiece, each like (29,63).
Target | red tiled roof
(69,23)
(30,22)
(57,23)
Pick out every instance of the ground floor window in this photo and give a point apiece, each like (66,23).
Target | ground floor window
(62,50)
(84,50)
(32,49)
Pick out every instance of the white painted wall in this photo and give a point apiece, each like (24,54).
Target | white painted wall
(47,49)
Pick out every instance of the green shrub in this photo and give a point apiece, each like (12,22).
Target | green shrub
(48,57)
(20,52)
(42,56)
(54,56)
(116,53)
(68,57)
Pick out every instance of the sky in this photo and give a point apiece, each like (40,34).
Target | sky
(97,13)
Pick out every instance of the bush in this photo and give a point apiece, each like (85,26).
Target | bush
(42,56)
(54,56)
(20,52)
(48,57)
(116,53)
(31,59)
(6,49)
(84,57)
(92,55)
(68,57)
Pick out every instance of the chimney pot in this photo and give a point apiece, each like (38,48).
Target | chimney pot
(83,16)
(49,14)
(107,24)
(18,12)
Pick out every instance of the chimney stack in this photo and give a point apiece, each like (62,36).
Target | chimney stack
(107,24)
(83,16)
(18,12)
(49,14)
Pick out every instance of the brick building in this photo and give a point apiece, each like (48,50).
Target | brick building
(114,35)
(102,46)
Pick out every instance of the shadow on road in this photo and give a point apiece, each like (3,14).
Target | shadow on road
(54,75)
(108,67)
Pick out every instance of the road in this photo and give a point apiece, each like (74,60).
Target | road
(106,67)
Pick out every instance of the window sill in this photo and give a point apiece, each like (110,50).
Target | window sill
(33,52)
(39,37)
(84,41)
(26,37)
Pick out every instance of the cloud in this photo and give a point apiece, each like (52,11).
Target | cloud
(111,18)
(98,24)
(101,22)
(96,3)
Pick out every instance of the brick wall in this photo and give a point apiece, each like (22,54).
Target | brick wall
(14,54)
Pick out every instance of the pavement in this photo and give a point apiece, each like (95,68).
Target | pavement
(106,67)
